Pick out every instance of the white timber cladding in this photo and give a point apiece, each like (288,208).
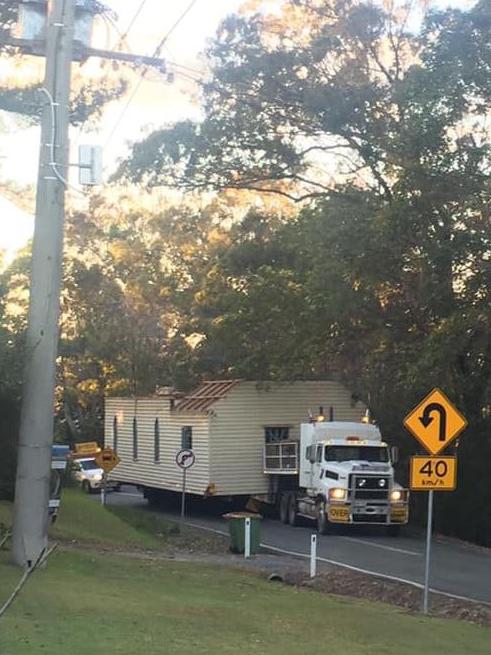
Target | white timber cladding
(238,422)
(228,438)
(163,474)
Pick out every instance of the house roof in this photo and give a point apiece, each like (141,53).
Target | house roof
(205,395)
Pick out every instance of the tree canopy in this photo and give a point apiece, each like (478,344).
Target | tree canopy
(380,280)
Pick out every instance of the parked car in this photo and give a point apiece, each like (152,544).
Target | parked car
(89,475)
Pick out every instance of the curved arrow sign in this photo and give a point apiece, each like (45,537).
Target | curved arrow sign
(427,419)
(435,422)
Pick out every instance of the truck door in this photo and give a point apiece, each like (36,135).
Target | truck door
(317,466)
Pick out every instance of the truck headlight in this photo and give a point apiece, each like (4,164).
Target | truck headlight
(397,495)
(337,493)
(97,478)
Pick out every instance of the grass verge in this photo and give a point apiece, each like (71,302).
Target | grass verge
(91,603)
(82,520)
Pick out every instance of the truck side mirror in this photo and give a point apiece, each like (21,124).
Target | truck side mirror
(394,454)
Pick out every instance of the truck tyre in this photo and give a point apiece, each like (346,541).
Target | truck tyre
(284,508)
(323,526)
(292,511)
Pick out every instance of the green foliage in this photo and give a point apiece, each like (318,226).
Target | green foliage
(382,282)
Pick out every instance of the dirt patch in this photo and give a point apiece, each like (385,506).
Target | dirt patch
(356,585)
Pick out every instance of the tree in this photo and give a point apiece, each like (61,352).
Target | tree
(384,281)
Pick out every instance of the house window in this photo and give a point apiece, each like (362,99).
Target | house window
(135,439)
(156,440)
(275,434)
(187,437)
(115,434)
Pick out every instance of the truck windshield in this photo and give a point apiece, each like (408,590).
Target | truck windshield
(349,453)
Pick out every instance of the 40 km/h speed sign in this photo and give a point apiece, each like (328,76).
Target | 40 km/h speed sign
(433,473)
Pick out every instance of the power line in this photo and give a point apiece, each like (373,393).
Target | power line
(156,53)
(132,22)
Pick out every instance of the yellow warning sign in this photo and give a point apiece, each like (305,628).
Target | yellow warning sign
(435,422)
(338,514)
(86,448)
(433,473)
(107,460)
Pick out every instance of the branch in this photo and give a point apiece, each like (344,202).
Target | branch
(41,560)
(382,68)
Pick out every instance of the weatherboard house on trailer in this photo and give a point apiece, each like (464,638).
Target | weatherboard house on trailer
(226,424)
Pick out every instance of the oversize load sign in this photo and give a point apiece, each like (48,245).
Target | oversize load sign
(433,473)
(435,422)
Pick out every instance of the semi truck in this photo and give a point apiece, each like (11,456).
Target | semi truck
(339,473)
(258,444)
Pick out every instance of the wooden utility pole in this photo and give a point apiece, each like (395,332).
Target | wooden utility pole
(30,530)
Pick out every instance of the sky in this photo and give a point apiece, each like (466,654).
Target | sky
(157,101)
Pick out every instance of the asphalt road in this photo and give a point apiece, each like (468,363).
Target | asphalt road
(456,568)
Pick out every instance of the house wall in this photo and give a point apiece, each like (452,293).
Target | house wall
(237,424)
(145,470)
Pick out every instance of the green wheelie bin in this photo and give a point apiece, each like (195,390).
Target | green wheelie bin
(236,526)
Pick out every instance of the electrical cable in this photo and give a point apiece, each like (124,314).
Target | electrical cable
(155,54)
(131,23)
(52,163)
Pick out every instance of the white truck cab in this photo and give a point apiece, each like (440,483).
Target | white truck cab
(345,476)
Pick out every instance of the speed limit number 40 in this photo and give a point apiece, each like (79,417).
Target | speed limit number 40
(433,473)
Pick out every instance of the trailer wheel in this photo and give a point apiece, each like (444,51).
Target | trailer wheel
(323,525)
(284,508)
(292,511)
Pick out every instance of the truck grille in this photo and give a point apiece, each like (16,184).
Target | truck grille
(369,487)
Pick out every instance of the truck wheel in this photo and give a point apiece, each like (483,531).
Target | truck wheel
(323,526)
(292,511)
(284,508)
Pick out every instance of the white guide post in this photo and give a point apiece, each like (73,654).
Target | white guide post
(313,556)
(247,542)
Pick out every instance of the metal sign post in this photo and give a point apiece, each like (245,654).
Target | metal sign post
(184,460)
(183,498)
(435,423)
(104,489)
(313,556)
(429,527)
